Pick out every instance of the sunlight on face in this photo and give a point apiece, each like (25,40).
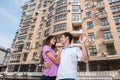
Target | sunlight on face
(53,41)
(63,39)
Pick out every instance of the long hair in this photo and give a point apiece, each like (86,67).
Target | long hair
(47,42)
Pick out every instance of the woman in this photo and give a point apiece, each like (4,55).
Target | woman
(49,55)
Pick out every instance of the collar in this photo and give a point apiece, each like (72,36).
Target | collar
(70,46)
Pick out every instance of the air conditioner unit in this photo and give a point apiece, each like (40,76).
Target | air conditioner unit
(45,19)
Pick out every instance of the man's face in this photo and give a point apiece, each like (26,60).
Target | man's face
(63,39)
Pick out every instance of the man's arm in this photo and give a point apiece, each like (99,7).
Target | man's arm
(85,55)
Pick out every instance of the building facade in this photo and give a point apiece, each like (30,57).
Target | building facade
(99,19)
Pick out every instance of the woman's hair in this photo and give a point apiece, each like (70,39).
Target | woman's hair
(47,42)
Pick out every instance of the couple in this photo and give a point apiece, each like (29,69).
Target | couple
(63,65)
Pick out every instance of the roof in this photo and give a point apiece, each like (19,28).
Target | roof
(4,50)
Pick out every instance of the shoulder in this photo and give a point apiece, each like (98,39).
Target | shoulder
(77,48)
(46,47)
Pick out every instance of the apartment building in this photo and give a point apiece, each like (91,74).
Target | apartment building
(99,19)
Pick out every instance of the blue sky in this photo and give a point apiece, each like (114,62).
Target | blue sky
(10,15)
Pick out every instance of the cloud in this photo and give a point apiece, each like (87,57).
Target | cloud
(12,18)
(20,2)
(5,41)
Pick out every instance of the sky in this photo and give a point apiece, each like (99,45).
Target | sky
(10,16)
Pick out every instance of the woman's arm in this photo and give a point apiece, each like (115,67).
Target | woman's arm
(53,58)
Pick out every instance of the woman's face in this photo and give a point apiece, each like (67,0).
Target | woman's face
(53,41)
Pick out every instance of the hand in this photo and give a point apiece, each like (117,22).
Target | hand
(82,38)
(59,50)
(47,65)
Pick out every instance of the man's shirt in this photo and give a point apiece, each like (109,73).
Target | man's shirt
(68,62)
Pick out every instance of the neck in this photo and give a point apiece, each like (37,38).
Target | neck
(50,45)
(66,44)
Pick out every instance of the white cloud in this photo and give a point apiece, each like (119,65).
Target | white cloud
(20,2)
(5,41)
(12,18)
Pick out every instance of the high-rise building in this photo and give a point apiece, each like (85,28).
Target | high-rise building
(99,19)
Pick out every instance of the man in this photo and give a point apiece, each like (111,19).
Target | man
(67,69)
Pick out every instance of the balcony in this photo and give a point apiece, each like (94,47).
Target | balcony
(105,27)
(97,75)
(102,16)
(108,40)
(100,6)
(76,33)
(75,3)
(17,50)
(76,21)
(76,43)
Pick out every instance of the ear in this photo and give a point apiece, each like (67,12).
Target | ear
(67,38)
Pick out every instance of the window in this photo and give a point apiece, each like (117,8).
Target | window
(45,1)
(88,14)
(32,28)
(100,3)
(111,1)
(75,1)
(19,47)
(30,12)
(44,12)
(11,68)
(30,37)
(118,30)
(61,9)
(27,46)
(60,17)
(50,15)
(76,8)
(61,2)
(37,45)
(48,23)
(42,18)
(25,56)
(93,50)
(117,19)
(47,31)
(51,8)
(115,8)
(15,57)
(91,36)
(35,56)
(90,24)
(60,27)
(76,17)
(104,22)
(111,49)
(22,38)
(24,30)
(102,12)
(26,23)
(107,35)
(41,25)
(87,6)
(39,34)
